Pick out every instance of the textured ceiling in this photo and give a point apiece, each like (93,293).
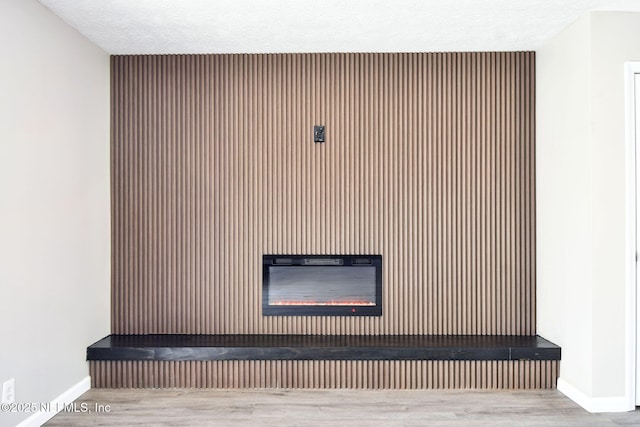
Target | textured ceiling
(268,26)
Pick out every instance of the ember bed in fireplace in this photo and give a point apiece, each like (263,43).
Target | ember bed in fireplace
(322,285)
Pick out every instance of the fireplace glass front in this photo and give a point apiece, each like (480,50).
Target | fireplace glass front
(311,285)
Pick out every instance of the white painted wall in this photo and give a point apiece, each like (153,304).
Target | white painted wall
(563,156)
(54,202)
(581,204)
(616,40)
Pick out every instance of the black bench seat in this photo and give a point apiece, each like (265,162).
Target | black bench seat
(322,347)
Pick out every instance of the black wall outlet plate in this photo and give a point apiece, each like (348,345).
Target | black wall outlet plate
(318,134)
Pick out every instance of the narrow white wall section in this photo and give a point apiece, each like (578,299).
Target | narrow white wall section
(54,202)
(563,199)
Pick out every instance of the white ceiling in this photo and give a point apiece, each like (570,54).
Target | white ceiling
(270,26)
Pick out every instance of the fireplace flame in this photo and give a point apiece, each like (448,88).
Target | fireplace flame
(355,303)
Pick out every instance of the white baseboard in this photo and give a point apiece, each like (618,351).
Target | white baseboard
(57,404)
(595,404)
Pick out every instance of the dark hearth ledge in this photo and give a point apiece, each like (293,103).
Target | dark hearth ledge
(322,347)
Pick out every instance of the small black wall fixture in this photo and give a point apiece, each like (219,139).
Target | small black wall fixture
(318,133)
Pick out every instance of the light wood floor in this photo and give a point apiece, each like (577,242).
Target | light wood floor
(198,407)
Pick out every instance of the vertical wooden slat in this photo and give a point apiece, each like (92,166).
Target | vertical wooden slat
(429,161)
(422,374)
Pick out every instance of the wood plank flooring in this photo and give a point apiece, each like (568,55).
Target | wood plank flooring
(280,407)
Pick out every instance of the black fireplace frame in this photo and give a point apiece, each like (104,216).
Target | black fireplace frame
(311,261)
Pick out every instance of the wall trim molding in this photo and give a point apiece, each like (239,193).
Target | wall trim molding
(595,404)
(631,216)
(58,404)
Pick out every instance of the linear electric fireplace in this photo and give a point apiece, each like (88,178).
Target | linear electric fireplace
(322,285)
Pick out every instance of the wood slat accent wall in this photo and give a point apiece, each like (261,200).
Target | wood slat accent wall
(422,374)
(429,161)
